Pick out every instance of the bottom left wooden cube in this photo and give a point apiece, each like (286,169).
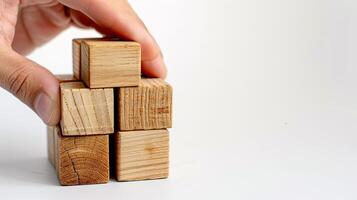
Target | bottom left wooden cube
(79,160)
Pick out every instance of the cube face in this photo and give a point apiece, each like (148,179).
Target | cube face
(62,78)
(110,63)
(76,58)
(141,155)
(76,53)
(51,144)
(86,111)
(146,107)
(80,160)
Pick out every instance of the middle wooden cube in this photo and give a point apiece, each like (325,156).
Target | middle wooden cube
(110,63)
(146,107)
(86,111)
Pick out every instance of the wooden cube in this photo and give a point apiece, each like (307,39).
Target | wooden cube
(86,111)
(110,63)
(141,155)
(148,106)
(79,160)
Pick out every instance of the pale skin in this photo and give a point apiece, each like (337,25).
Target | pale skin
(27,24)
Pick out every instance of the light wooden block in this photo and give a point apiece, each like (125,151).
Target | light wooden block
(110,63)
(76,58)
(50,145)
(79,160)
(62,78)
(148,106)
(86,111)
(141,155)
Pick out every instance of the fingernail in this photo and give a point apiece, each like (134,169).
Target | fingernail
(44,105)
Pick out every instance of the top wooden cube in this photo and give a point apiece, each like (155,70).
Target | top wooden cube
(76,53)
(110,63)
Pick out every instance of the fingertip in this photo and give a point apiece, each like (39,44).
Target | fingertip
(47,109)
(155,68)
(47,102)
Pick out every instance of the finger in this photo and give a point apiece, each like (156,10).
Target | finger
(121,19)
(36,25)
(80,20)
(32,84)
(27,3)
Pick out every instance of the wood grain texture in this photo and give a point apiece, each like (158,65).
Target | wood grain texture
(110,63)
(76,58)
(141,155)
(86,111)
(148,106)
(62,78)
(76,53)
(51,145)
(80,160)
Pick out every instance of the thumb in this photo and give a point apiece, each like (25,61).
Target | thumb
(32,84)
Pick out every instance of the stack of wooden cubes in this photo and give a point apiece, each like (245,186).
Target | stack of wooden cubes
(106,101)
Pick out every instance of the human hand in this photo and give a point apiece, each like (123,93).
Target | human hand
(27,24)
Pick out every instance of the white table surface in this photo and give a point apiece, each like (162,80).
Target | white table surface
(265,105)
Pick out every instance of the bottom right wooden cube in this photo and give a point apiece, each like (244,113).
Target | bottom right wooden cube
(141,155)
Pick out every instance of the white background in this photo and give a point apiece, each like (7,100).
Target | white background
(265,105)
